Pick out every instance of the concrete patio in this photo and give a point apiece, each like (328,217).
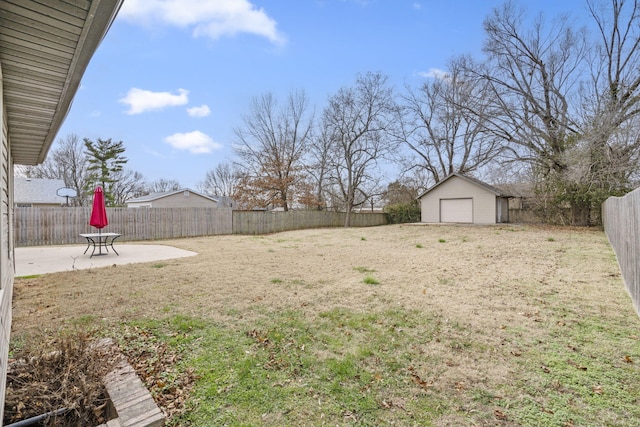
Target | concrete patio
(51,259)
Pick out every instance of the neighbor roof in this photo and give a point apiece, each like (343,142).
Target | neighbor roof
(472,180)
(45,47)
(155,196)
(32,190)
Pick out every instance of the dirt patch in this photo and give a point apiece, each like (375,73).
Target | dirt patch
(484,273)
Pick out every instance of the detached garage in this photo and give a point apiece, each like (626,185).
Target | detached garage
(461,199)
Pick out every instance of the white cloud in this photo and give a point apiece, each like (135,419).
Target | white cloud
(140,101)
(206,18)
(201,111)
(417,6)
(195,142)
(435,73)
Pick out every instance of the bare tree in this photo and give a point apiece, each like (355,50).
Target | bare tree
(162,185)
(445,123)
(318,167)
(127,184)
(567,104)
(607,153)
(358,120)
(615,63)
(270,147)
(531,75)
(534,71)
(68,162)
(221,181)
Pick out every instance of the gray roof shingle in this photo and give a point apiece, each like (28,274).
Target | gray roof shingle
(37,191)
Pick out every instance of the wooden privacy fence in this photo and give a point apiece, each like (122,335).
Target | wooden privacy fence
(621,219)
(60,226)
(37,226)
(255,222)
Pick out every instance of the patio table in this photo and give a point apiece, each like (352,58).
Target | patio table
(101,240)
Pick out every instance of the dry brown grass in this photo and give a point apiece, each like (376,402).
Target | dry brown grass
(491,275)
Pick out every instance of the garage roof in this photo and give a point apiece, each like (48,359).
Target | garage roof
(45,47)
(475,181)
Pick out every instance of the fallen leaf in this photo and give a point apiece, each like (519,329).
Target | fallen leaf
(459,386)
(499,414)
(416,379)
(545,369)
(628,359)
(576,365)
(597,389)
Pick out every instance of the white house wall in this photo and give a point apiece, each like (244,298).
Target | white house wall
(7,268)
(484,201)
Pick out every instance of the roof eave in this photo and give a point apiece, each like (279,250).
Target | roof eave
(98,22)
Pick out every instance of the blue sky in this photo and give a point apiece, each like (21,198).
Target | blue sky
(173,78)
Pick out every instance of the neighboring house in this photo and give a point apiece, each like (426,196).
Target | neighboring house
(30,192)
(45,47)
(462,199)
(183,198)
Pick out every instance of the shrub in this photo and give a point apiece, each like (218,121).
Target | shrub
(401,213)
(64,371)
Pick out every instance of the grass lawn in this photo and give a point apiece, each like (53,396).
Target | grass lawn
(394,325)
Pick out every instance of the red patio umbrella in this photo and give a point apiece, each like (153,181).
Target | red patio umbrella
(99,211)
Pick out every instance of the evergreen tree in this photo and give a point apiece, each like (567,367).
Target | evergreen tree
(105,161)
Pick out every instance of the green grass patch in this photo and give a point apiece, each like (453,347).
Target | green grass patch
(31,276)
(584,374)
(159,265)
(419,246)
(442,241)
(276,280)
(341,368)
(370,280)
(395,366)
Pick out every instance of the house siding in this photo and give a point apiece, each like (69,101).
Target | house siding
(484,202)
(178,200)
(7,268)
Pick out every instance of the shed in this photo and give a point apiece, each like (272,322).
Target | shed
(29,192)
(183,198)
(462,199)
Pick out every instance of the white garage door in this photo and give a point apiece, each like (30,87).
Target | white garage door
(456,210)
